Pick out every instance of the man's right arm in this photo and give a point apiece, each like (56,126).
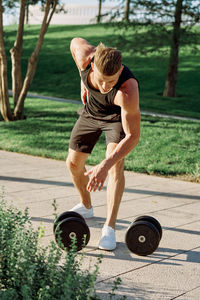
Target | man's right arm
(82,52)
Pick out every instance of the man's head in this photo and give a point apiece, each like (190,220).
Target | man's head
(107,60)
(107,67)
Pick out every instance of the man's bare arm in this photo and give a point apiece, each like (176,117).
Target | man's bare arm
(82,52)
(128,100)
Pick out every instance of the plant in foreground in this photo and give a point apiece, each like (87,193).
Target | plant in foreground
(29,271)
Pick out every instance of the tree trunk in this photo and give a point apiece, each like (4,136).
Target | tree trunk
(4,97)
(27,14)
(171,80)
(16,53)
(99,12)
(19,90)
(126,11)
(32,63)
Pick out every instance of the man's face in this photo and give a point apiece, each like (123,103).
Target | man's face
(103,82)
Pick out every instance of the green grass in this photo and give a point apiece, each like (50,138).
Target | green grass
(57,74)
(167,147)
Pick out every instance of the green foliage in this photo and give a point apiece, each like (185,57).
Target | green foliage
(29,271)
(10,4)
(151,24)
(162,11)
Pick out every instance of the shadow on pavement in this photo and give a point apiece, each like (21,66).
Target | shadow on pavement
(127,190)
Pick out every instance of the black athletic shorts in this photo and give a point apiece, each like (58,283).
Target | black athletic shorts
(87,131)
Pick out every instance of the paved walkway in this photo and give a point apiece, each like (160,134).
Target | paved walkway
(171,272)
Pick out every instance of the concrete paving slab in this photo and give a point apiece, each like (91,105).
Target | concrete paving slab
(172,245)
(171,272)
(45,194)
(190,295)
(179,277)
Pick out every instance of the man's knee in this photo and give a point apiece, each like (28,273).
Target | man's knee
(73,167)
(70,164)
(76,162)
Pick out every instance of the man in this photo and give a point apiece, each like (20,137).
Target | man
(109,92)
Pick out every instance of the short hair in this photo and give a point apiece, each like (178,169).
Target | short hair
(107,60)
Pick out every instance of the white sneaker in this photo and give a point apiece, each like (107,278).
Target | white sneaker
(83,211)
(108,241)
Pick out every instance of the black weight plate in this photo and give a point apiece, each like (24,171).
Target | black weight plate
(142,238)
(65,215)
(151,220)
(69,228)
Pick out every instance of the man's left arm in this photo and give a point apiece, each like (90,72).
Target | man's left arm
(128,99)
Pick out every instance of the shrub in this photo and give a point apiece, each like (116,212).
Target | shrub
(29,271)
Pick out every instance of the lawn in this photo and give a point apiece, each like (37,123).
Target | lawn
(167,147)
(57,74)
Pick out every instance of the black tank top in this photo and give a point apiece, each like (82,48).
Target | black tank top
(101,106)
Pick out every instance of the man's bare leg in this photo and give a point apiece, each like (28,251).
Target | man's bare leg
(115,189)
(76,164)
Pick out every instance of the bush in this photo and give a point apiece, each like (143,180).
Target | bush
(29,271)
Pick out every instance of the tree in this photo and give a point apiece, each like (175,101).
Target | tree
(127,10)
(99,16)
(99,11)
(190,10)
(28,3)
(19,87)
(171,80)
(174,17)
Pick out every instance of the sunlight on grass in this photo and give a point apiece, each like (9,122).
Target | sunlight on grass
(166,147)
(57,74)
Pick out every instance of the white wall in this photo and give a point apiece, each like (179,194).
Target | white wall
(76,14)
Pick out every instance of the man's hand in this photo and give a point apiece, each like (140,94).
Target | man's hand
(97,178)
(84,93)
